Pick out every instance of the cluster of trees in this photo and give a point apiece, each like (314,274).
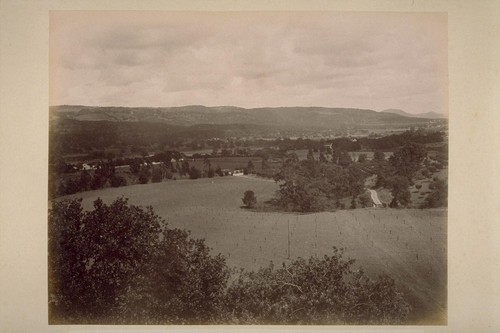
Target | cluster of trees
(103,175)
(122,264)
(397,174)
(143,170)
(311,185)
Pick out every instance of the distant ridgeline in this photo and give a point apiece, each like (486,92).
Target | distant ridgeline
(77,129)
(302,117)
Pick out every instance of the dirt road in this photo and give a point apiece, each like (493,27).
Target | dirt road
(375,198)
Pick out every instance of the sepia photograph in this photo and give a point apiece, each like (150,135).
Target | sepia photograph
(247,168)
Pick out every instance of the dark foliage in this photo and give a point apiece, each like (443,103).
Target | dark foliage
(144,175)
(119,264)
(308,186)
(315,291)
(407,160)
(250,167)
(249,199)
(156,175)
(194,173)
(401,195)
(210,173)
(117,181)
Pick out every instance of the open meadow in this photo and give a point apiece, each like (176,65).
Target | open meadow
(410,245)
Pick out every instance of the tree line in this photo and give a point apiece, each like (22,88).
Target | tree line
(141,170)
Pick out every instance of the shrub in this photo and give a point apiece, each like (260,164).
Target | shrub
(249,199)
(418,186)
(315,291)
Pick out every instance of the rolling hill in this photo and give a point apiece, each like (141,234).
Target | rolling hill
(285,117)
(427,115)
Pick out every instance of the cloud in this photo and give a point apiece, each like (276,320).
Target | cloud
(364,60)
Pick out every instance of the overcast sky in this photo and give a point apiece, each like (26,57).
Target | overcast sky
(250,59)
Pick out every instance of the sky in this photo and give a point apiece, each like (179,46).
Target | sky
(250,59)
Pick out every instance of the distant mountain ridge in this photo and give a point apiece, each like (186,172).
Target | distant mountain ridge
(293,117)
(427,115)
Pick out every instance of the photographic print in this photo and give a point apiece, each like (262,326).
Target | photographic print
(262,168)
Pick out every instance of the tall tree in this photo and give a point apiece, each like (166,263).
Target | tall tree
(401,195)
(407,160)
(120,264)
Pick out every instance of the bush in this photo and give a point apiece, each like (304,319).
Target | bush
(249,199)
(317,291)
(418,186)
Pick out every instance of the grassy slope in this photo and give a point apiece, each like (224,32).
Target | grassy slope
(409,245)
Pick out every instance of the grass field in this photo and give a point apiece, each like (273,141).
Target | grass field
(410,245)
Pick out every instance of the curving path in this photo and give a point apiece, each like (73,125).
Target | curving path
(375,198)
